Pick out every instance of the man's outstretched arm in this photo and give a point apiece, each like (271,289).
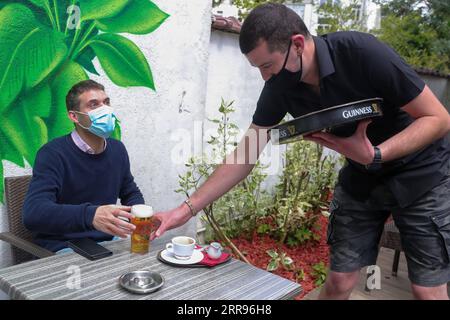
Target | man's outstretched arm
(236,166)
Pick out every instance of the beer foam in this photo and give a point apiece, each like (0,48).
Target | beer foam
(141,211)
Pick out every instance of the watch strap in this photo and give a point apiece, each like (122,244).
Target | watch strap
(377,155)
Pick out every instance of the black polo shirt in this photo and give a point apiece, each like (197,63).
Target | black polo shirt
(355,66)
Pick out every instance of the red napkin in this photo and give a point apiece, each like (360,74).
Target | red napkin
(207,261)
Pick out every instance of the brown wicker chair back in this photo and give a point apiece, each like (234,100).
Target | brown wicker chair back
(15,191)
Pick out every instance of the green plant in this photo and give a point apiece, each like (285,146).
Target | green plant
(419,30)
(46,47)
(237,211)
(303,192)
(339,17)
(278,259)
(302,235)
(415,40)
(245,6)
(263,228)
(300,274)
(319,273)
(216,3)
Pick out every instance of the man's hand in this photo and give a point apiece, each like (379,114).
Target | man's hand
(171,219)
(107,220)
(357,147)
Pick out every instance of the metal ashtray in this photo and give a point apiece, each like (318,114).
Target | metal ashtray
(141,281)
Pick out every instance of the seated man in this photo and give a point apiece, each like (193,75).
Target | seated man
(78,178)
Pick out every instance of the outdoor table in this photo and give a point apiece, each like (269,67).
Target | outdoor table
(52,278)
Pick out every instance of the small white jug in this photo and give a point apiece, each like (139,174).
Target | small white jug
(214,250)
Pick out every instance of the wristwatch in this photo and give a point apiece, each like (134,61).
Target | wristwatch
(377,160)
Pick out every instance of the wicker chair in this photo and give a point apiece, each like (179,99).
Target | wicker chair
(391,239)
(19,237)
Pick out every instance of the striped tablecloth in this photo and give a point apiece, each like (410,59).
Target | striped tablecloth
(53,278)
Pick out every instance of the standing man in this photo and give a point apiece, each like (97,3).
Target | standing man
(78,178)
(398,164)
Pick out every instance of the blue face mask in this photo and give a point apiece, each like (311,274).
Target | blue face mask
(103,121)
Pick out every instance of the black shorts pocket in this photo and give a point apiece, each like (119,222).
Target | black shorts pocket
(442,222)
(334,207)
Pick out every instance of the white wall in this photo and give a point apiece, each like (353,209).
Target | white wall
(226,9)
(231,77)
(178,53)
(373,15)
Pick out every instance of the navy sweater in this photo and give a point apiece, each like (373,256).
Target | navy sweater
(68,186)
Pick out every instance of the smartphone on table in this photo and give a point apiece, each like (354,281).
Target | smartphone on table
(88,248)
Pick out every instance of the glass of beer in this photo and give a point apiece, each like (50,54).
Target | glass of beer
(143,220)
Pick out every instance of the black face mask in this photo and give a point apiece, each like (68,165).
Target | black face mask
(286,79)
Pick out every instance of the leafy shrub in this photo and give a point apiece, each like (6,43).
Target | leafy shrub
(290,214)
(303,192)
(319,273)
(237,212)
(279,259)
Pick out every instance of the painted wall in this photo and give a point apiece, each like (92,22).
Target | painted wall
(177,52)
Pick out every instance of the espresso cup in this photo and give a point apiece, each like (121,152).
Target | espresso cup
(181,247)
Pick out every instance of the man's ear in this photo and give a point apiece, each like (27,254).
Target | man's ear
(72,117)
(298,41)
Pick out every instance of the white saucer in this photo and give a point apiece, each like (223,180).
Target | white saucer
(196,257)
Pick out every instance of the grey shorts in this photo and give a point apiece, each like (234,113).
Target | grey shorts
(355,229)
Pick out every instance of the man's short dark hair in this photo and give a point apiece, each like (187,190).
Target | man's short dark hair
(272,22)
(72,101)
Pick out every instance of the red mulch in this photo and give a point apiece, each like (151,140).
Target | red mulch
(304,256)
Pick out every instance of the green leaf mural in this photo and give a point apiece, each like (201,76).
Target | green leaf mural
(85,60)
(122,60)
(43,54)
(135,19)
(98,9)
(70,74)
(28,114)
(30,52)
(1,174)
